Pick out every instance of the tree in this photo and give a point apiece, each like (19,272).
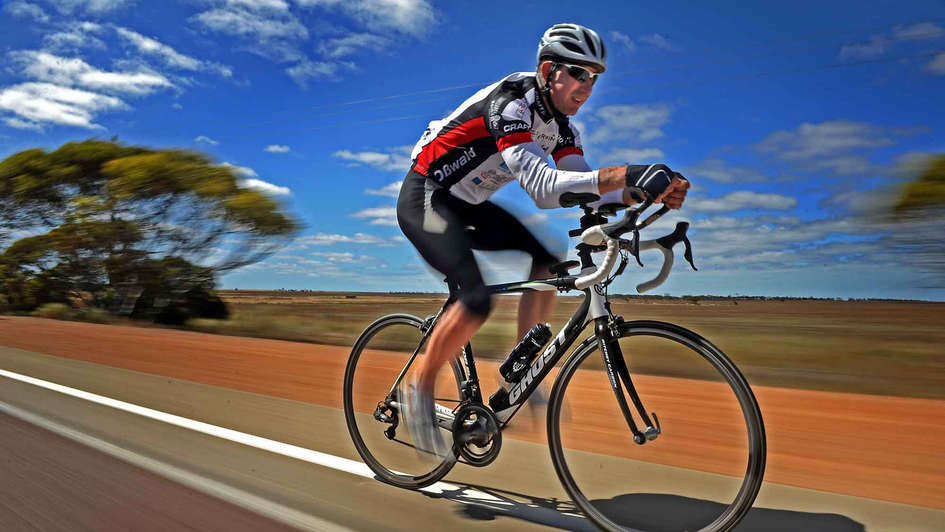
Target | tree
(99,221)
(920,213)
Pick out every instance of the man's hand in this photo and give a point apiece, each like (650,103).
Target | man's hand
(675,194)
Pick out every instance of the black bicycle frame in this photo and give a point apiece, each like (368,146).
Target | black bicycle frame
(522,390)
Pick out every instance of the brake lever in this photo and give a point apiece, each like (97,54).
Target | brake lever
(622,267)
(688,253)
(636,247)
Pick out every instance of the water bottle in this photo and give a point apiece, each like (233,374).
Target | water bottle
(522,354)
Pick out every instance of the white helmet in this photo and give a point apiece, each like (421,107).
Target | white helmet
(573,43)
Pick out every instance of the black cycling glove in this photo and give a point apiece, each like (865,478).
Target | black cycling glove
(652,179)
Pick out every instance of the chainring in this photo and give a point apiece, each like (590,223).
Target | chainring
(476,434)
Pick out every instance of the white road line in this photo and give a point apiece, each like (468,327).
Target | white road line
(300,453)
(273,510)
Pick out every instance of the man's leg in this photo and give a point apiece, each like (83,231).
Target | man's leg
(535,307)
(452,332)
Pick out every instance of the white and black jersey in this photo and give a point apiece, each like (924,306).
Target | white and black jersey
(468,152)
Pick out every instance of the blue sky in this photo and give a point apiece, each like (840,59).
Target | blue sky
(795,121)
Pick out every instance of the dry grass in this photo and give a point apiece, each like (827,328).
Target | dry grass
(880,347)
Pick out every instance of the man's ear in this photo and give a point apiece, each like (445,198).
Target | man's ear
(544,68)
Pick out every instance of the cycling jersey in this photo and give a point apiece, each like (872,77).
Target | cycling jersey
(502,133)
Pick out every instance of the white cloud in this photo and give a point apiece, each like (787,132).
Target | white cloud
(414,17)
(44,66)
(306,71)
(623,39)
(787,242)
(718,170)
(37,104)
(247,19)
(170,56)
(21,9)
(177,106)
(659,41)
(843,165)
(272,29)
(936,65)
(270,26)
(622,122)
(812,141)
(341,257)
(741,200)
(880,43)
(923,31)
(634,156)
(391,191)
(76,37)
(22,124)
(241,171)
(203,139)
(276,148)
(875,47)
(378,215)
(862,201)
(88,6)
(350,44)
(327,239)
(248,178)
(266,188)
(395,159)
(910,164)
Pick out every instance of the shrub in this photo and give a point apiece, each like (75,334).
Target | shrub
(93,315)
(56,311)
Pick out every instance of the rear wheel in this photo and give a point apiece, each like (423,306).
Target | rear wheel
(372,410)
(703,470)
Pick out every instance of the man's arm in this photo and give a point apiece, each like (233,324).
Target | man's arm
(546,184)
(612,183)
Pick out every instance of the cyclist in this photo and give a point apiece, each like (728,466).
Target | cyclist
(505,132)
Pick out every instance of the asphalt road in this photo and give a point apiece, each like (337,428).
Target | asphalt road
(52,483)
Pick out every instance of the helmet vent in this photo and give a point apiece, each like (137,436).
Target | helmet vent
(571,46)
(590,42)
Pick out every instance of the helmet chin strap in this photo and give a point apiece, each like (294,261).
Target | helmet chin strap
(544,86)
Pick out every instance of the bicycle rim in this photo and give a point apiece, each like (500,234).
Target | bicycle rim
(704,470)
(376,359)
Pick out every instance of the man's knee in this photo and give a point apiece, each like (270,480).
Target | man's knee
(477,301)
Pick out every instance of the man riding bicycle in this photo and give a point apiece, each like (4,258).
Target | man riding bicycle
(505,132)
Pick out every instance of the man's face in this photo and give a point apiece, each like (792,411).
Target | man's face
(567,93)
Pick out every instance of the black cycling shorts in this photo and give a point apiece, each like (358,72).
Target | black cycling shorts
(445,230)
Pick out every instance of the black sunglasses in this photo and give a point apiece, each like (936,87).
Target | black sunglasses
(580,73)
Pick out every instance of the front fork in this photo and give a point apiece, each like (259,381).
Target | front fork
(606,329)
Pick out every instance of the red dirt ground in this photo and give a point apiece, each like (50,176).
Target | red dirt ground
(886,448)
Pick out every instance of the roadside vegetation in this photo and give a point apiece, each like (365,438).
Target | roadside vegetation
(106,229)
(870,346)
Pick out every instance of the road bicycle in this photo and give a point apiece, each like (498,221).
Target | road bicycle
(680,442)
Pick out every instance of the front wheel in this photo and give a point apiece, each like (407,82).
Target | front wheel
(371,407)
(702,472)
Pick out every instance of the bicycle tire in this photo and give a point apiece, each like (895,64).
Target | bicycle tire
(360,422)
(640,503)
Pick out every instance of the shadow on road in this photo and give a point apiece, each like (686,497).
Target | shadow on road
(646,511)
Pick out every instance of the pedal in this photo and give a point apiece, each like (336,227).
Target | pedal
(652,433)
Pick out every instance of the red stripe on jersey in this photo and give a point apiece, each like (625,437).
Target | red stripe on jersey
(513,139)
(458,136)
(567,150)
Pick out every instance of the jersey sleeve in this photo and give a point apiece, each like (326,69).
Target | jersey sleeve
(509,120)
(569,142)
